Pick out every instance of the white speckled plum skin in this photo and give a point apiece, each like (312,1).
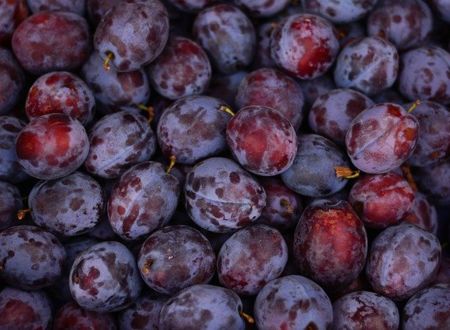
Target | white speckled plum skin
(118,141)
(10,170)
(402,260)
(69,206)
(381,200)
(63,39)
(144,314)
(174,258)
(12,81)
(434,181)
(10,203)
(263,8)
(406,23)
(250,258)
(193,128)
(143,200)
(135,33)
(332,112)
(52,146)
(105,278)
(115,90)
(293,302)
(227,35)
(190,5)
(74,6)
(313,170)
(207,307)
(24,309)
(428,309)
(72,316)
(182,69)
(304,45)
(31,258)
(381,138)
(262,140)
(369,65)
(425,75)
(365,310)
(422,214)
(11,14)
(273,89)
(60,92)
(340,11)
(443,7)
(221,197)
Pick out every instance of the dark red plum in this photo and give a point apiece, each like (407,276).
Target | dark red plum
(60,92)
(52,41)
(12,81)
(293,302)
(190,5)
(339,11)
(369,65)
(174,258)
(381,138)
(221,197)
(143,200)
(313,171)
(73,317)
(365,310)
(105,278)
(262,140)
(30,258)
(434,181)
(10,170)
(273,89)
(12,13)
(143,314)
(402,260)
(330,243)
(250,258)
(52,146)
(227,35)
(203,306)
(263,8)
(118,141)
(422,214)
(74,6)
(10,203)
(24,310)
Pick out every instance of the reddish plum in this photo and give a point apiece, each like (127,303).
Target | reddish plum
(339,11)
(12,81)
(10,203)
(72,317)
(10,170)
(422,214)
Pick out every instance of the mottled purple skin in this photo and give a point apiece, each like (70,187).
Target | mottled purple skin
(182,69)
(69,206)
(332,112)
(52,41)
(225,87)
(60,92)
(283,207)
(143,200)
(428,309)
(174,258)
(11,14)
(227,35)
(382,200)
(96,9)
(72,316)
(24,310)
(263,8)
(293,302)
(425,75)
(262,140)
(381,138)
(433,143)
(12,81)
(250,258)
(422,214)
(365,310)
(274,89)
(10,170)
(443,7)
(143,314)
(221,197)
(190,5)
(135,33)
(118,141)
(313,171)
(369,65)
(314,88)
(330,243)
(434,181)
(30,258)
(74,6)
(304,45)
(263,58)
(204,307)
(402,260)
(406,23)
(193,128)
(10,203)
(341,11)
(105,278)
(52,146)
(115,90)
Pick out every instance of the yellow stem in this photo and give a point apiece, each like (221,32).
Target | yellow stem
(346,173)
(227,109)
(173,160)
(285,203)
(413,106)
(149,109)
(107,61)
(409,177)
(21,214)
(248,319)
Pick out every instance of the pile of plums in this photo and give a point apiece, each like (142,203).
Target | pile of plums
(245,164)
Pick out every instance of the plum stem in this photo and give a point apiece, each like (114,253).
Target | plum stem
(21,214)
(413,106)
(247,318)
(346,172)
(148,264)
(285,203)
(227,109)
(173,160)
(149,109)
(406,170)
(107,61)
